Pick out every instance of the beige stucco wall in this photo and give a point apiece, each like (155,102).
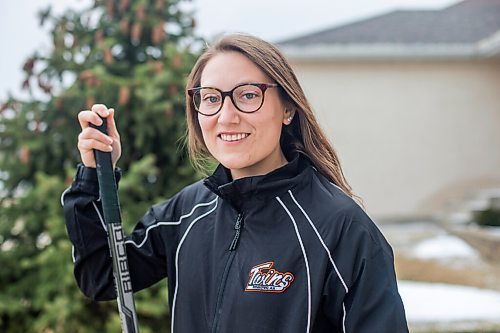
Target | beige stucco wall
(414,136)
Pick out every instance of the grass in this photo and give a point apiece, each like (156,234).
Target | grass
(414,269)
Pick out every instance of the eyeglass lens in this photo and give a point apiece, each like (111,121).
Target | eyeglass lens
(247,98)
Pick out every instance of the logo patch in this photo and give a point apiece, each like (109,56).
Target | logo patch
(264,278)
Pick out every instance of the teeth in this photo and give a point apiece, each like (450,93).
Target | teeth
(233,137)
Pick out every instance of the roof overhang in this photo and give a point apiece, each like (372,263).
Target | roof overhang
(490,46)
(486,48)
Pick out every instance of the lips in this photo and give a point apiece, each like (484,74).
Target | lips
(231,137)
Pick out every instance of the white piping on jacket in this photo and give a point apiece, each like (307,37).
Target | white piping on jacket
(328,252)
(95,207)
(306,262)
(343,318)
(100,217)
(177,257)
(159,223)
(63,194)
(62,204)
(178,247)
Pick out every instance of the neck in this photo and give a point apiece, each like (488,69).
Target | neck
(260,169)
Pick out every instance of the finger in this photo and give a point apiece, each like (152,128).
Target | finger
(86,117)
(101,110)
(90,144)
(112,130)
(95,134)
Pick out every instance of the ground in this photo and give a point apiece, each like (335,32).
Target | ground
(446,284)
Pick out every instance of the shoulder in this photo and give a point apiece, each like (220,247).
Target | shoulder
(331,200)
(341,217)
(190,198)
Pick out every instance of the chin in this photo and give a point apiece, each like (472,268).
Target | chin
(234,165)
(234,162)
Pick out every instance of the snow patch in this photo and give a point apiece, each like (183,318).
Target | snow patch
(438,303)
(444,247)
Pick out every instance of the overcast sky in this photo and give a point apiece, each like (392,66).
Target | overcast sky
(273,20)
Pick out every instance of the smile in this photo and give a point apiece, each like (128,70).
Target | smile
(233,137)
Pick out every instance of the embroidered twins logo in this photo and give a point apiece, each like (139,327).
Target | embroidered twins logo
(265,278)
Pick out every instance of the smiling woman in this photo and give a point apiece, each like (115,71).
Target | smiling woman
(272,241)
(242,134)
(238,59)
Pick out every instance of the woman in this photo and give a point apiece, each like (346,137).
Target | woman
(272,241)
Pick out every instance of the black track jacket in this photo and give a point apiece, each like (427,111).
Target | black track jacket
(284,252)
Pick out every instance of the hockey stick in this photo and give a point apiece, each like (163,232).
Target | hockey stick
(112,217)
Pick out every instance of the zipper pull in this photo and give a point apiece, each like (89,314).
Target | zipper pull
(237,227)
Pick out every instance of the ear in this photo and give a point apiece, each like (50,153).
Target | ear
(288,116)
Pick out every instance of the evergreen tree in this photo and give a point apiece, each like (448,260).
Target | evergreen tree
(133,55)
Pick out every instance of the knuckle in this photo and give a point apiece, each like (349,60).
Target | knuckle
(86,132)
(81,115)
(100,109)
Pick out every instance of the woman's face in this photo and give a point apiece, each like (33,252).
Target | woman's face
(245,143)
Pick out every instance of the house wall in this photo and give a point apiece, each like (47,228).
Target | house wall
(414,137)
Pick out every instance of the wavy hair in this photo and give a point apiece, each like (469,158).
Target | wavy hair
(304,133)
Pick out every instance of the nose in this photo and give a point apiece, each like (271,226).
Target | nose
(228,113)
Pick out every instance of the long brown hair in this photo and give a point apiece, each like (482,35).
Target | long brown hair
(302,135)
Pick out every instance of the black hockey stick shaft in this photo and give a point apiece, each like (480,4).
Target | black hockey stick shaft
(116,239)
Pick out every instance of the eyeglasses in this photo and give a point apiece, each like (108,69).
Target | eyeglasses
(246,97)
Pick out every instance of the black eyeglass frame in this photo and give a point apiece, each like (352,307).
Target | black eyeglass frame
(262,86)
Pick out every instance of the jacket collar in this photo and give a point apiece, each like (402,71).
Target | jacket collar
(241,191)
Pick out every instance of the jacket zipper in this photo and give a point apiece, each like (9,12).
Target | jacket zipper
(232,247)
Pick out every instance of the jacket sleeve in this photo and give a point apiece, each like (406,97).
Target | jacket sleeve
(91,255)
(361,293)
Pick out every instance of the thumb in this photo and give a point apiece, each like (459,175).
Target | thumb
(112,130)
